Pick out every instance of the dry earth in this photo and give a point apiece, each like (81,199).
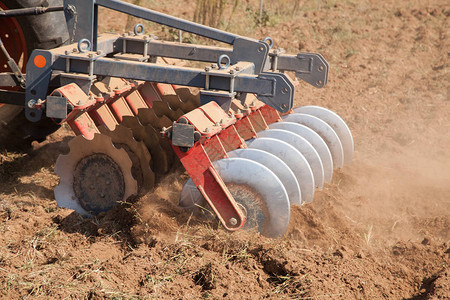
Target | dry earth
(380,230)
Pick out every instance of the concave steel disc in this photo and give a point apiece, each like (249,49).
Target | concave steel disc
(325,131)
(301,145)
(277,166)
(256,188)
(337,123)
(316,141)
(160,162)
(94,176)
(293,158)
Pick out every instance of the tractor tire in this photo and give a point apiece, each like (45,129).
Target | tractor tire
(44,31)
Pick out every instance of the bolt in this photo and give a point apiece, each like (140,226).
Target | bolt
(238,111)
(238,68)
(232,71)
(253,103)
(74,50)
(31,104)
(207,130)
(246,106)
(214,66)
(91,55)
(207,69)
(99,52)
(217,124)
(221,121)
(233,221)
(66,52)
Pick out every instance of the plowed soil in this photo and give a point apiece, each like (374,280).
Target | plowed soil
(379,230)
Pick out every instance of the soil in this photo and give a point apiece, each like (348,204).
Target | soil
(379,230)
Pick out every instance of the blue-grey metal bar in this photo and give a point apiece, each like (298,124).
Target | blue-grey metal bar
(163,19)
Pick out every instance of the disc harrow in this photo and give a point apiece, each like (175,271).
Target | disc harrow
(139,111)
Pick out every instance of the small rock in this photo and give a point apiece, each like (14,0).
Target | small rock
(426,241)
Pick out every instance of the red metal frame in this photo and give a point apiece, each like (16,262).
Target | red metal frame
(227,133)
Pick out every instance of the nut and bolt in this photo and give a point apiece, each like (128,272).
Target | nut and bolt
(214,66)
(207,69)
(232,71)
(32,103)
(233,221)
(74,50)
(238,68)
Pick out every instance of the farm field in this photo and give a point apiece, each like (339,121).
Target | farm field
(380,230)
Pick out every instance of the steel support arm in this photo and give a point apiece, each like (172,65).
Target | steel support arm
(82,19)
(310,67)
(163,19)
(13,98)
(275,89)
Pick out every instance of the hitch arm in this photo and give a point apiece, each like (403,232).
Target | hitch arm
(86,14)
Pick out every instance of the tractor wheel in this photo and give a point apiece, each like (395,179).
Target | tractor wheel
(21,35)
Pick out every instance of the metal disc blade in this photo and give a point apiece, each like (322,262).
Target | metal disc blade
(255,187)
(66,166)
(315,140)
(325,131)
(337,123)
(268,204)
(293,158)
(277,166)
(301,145)
(190,197)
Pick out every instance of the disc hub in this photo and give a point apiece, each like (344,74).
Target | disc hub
(98,183)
